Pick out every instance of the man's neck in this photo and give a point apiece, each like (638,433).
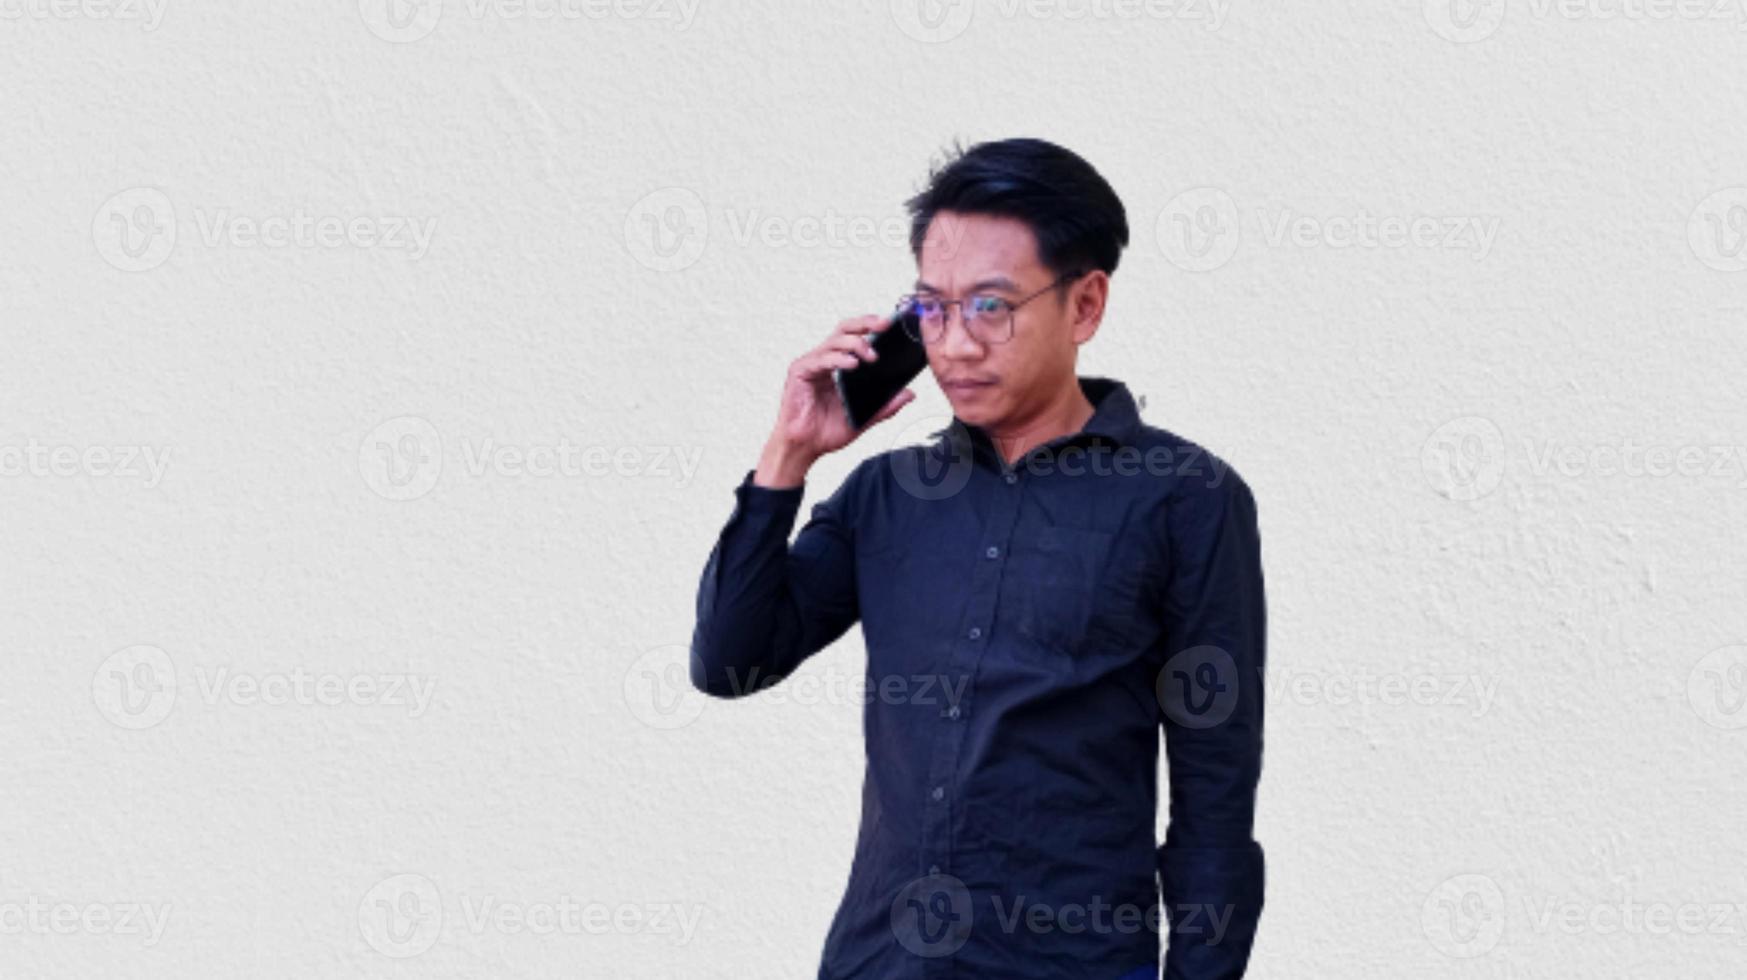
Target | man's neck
(1066,414)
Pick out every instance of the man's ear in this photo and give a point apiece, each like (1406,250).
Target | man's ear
(1086,299)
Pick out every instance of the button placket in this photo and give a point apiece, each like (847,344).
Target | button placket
(1003,511)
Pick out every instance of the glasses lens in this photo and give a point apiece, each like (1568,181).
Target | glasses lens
(928,314)
(988,318)
(991,318)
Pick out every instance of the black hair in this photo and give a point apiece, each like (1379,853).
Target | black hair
(1078,220)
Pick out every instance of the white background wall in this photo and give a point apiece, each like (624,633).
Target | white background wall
(1502,476)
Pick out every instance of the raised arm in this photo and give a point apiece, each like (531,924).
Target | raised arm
(764,607)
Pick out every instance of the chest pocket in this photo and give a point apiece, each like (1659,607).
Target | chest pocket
(1073,592)
(1052,586)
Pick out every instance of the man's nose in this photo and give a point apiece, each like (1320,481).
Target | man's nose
(956,340)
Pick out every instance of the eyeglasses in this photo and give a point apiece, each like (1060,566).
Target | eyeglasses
(986,316)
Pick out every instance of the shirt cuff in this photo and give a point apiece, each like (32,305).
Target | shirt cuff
(761,512)
(753,497)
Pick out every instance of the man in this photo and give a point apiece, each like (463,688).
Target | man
(1040,590)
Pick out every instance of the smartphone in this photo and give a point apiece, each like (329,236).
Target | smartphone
(867,387)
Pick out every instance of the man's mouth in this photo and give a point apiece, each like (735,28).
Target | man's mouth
(963,385)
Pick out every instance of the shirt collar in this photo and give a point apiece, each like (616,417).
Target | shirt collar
(1114,417)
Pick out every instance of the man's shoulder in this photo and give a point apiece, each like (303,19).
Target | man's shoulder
(1192,473)
(916,468)
(866,479)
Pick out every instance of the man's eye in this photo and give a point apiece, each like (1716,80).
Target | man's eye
(986,304)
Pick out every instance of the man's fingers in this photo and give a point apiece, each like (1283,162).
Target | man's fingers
(860,324)
(823,360)
(851,342)
(898,401)
(846,347)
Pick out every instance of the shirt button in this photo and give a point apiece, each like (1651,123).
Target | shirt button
(993,552)
(939,794)
(934,869)
(976,632)
(1011,478)
(952,712)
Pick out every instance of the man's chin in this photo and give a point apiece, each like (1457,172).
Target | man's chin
(972,403)
(971,412)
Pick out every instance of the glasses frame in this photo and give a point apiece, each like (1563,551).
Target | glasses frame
(906,300)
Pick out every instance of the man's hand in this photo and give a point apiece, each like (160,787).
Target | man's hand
(811,421)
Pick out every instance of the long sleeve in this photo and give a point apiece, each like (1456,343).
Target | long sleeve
(764,607)
(1211,870)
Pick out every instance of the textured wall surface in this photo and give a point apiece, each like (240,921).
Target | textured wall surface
(374,378)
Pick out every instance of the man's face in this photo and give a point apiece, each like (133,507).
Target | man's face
(974,254)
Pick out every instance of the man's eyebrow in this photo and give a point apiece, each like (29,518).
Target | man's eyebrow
(993,282)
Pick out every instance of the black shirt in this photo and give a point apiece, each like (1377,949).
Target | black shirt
(1029,630)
